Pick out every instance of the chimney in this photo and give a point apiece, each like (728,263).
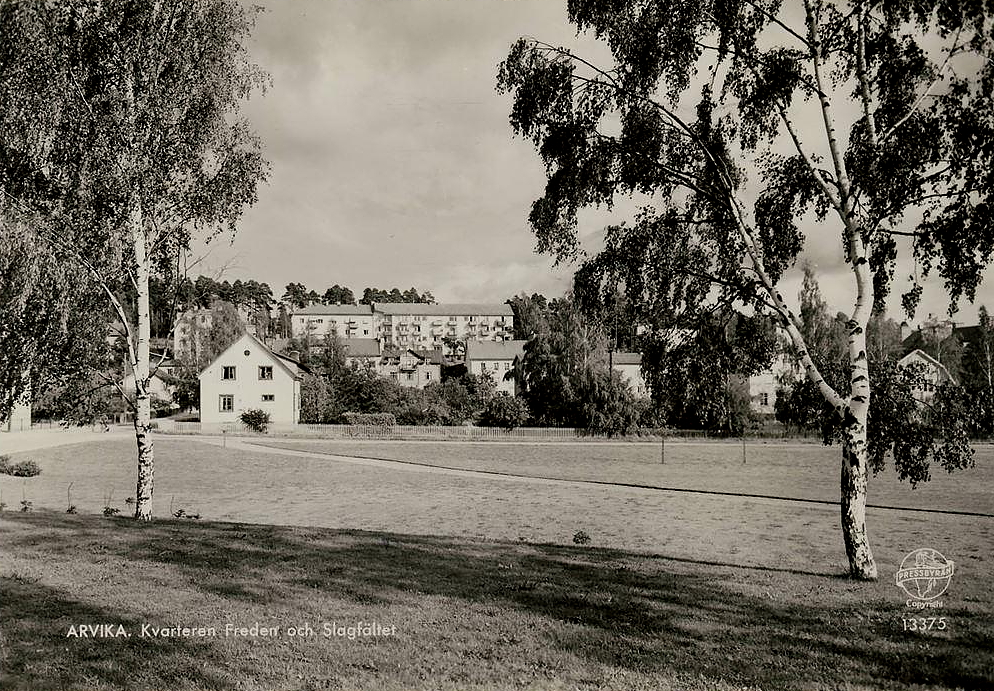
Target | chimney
(905,330)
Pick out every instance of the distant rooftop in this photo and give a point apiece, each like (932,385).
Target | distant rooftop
(334,310)
(454,309)
(494,350)
(627,358)
(361,347)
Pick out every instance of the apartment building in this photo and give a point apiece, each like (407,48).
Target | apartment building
(406,324)
(193,326)
(345,321)
(416,325)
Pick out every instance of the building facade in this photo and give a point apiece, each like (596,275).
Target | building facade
(193,327)
(495,360)
(629,367)
(416,325)
(935,373)
(249,376)
(410,368)
(406,325)
(344,321)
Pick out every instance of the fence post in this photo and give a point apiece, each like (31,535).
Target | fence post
(743,449)
(662,449)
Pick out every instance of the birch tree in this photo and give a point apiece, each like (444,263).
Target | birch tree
(751,128)
(120,141)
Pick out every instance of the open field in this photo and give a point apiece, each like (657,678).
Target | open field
(804,471)
(468,615)
(479,574)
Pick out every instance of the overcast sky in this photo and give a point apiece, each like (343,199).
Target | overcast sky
(393,163)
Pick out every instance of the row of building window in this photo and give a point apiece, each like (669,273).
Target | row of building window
(227,401)
(265,372)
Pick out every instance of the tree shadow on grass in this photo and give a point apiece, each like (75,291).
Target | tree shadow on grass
(637,612)
(36,650)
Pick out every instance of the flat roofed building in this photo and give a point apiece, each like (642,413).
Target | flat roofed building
(345,321)
(419,325)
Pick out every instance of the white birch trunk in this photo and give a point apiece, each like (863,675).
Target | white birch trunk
(143,407)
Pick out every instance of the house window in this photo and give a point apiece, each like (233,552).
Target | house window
(410,376)
(427,376)
(764,399)
(227,403)
(268,398)
(265,372)
(507,366)
(228,372)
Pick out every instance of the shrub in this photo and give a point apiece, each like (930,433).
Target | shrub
(374,419)
(26,506)
(504,411)
(20,469)
(581,538)
(111,511)
(256,420)
(71,509)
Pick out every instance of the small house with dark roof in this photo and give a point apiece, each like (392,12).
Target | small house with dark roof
(410,368)
(360,352)
(495,359)
(250,376)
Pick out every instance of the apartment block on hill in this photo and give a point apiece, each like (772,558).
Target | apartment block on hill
(405,324)
(344,321)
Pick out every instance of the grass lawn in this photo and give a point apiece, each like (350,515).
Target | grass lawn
(479,575)
(467,614)
(805,471)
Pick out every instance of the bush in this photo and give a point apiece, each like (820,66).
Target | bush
(580,537)
(256,420)
(504,411)
(374,419)
(21,469)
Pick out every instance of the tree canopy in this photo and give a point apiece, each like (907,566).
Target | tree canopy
(742,124)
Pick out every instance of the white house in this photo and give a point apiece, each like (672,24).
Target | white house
(496,360)
(629,366)
(20,415)
(158,385)
(936,373)
(249,376)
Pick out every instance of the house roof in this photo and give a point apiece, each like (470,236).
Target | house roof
(494,350)
(361,347)
(333,310)
(468,309)
(434,356)
(292,367)
(928,359)
(627,358)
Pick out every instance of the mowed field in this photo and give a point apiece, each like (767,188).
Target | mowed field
(677,589)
